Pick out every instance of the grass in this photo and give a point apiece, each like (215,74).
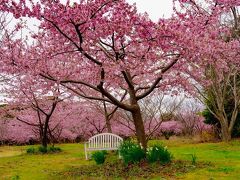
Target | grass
(224,158)
(41,166)
(213,161)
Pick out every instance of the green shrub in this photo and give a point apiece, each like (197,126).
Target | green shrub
(54,149)
(16,177)
(42,149)
(159,153)
(99,156)
(131,152)
(31,150)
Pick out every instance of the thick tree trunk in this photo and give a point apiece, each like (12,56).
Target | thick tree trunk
(136,113)
(44,139)
(108,124)
(226,134)
(139,126)
(45,132)
(107,117)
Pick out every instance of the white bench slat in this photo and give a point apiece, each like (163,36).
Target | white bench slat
(103,141)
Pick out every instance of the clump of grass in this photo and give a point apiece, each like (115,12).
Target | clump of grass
(31,150)
(16,177)
(159,153)
(54,149)
(131,152)
(43,150)
(194,159)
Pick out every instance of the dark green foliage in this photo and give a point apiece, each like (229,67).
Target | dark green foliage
(54,149)
(131,152)
(209,117)
(99,156)
(229,103)
(43,150)
(17,177)
(159,153)
(212,120)
(31,150)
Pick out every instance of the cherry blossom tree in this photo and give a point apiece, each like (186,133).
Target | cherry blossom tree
(104,50)
(5,34)
(216,58)
(3,129)
(34,102)
(190,116)
(71,122)
(101,47)
(17,133)
(216,97)
(170,128)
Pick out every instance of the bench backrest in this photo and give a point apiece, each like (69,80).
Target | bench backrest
(105,140)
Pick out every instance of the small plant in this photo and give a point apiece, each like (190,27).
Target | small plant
(99,156)
(54,149)
(16,177)
(31,150)
(159,153)
(131,152)
(42,149)
(194,159)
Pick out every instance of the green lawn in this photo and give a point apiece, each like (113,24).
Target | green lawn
(216,161)
(224,159)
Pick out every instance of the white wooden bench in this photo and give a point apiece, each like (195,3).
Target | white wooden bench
(103,141)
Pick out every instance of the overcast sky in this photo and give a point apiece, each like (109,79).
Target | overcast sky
(155,8)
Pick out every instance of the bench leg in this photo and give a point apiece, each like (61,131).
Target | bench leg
(86,153)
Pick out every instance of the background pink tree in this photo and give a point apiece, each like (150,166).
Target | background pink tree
(34,102)
(214,51)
